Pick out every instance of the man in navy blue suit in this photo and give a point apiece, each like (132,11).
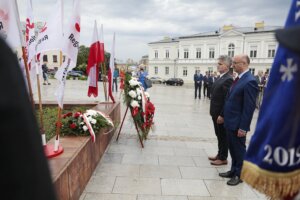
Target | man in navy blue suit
(198,78)
(238,111)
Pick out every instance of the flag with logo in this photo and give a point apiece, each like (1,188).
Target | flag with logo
(272,161)
(50,36)
(10,24)
(70,49)
(29,33)
(111,69)
(94,59)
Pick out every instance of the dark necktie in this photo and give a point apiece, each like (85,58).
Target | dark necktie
(234,82)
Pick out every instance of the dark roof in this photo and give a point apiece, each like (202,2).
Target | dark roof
(166,40)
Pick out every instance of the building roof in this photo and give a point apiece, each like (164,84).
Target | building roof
(217,33)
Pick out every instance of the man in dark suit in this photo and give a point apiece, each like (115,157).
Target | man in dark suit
(219,91)
(205,84)
(198,83)
(238,112)
(24,170)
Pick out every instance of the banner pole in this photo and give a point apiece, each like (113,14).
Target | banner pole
(28,76)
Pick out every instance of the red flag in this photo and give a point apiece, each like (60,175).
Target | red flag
(92,68)
(111,69)
(102,52)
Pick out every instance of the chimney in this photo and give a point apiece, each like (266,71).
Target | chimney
(259,25)
(228,27)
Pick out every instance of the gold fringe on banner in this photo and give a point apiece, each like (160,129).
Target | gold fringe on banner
(275,185)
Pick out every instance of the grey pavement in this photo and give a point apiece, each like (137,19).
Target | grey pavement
(173,165)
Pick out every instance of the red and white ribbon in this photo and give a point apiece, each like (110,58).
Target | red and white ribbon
(89,126)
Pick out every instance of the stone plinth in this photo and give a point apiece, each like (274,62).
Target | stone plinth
(72,170)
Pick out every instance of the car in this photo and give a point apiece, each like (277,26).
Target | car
(157,80)
(175,81)
(74,74)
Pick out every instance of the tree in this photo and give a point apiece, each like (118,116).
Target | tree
(82,58)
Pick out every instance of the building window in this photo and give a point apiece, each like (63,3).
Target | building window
(231,50)
(253,51)
(156,70)
(197,69)
(156,54)
(184,72)
(54,58)
(210,70)
(177,53)
(198,53)
(167,71)
(271,51)
(211,52)
(186,53)
(252,70)
(45,58)
(64,58)
(167,54)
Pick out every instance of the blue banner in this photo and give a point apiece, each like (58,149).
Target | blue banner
(272,161)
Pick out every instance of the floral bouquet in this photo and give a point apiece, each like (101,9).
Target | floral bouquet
(141,108)
(83,124)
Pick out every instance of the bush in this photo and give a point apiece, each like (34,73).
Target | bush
(83,78)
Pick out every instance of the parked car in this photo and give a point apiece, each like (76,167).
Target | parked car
(157,80)
(74,74)
(175,81)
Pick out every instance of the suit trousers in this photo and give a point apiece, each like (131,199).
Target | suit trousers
(222,139)
(115,83)
(198,87)
(237,150)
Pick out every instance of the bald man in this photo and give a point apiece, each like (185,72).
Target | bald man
(238,111)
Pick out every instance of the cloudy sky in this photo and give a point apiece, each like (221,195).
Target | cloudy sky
(138,22)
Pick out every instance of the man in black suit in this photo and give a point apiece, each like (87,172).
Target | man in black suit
(238,111)
(24,171)
(219,91)
(198,78)
(205,84)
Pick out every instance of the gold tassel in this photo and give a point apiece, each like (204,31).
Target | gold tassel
(274,185)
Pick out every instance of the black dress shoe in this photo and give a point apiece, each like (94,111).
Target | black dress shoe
(234,181)
(228,174)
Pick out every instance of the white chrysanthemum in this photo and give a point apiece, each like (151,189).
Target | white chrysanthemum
(85,128)
(147,94)
(93,121)
(134,104)
(139,98)
(132,94)
(81,123)
(138,91)
(90,118)
(133,82)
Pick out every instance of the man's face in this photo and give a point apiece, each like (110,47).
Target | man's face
(221,67)
(239,64)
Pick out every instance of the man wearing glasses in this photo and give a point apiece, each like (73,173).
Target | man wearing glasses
(238,111)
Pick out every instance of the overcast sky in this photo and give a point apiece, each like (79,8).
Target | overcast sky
(138,22)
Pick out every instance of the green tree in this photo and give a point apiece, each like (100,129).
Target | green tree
(82,58)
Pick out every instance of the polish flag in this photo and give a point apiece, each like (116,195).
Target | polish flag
(111,69)
(102,52)
(10,24)
(94,59)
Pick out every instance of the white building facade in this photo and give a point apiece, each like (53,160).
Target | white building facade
(181,57)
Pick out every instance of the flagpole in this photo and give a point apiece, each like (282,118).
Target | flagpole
(28,76)
(58,125)
(104,79)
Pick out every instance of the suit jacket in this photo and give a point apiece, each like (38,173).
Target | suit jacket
(240,103)
(24,169)
(219,92)
(198,78)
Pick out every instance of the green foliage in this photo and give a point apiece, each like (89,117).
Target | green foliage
(82,58)
(83,78)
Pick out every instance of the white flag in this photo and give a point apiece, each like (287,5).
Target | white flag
(10,23)
(30,37)
(51,35)
(70,49)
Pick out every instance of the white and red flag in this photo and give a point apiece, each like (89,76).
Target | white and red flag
(111,69)
(102,52)
(70,49)
(92,68)
(50,36)
(30,37)
(10,24)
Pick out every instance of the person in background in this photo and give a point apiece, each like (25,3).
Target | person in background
(45,74)
(142,76)
(115,79)
(24,170)
(122,78)
(259,77)
(219,92)
(198,83)
(238,112)
(205,84)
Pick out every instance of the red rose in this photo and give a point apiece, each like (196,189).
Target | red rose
(67,115)
(135,111)
(77,114)
(73,126)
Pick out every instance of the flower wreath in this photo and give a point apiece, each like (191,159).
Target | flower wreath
(141,108)
(82,124)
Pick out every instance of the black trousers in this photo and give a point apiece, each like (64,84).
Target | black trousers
(208,91)
(205,89)
(222,139)
(237,149)
(198,88)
